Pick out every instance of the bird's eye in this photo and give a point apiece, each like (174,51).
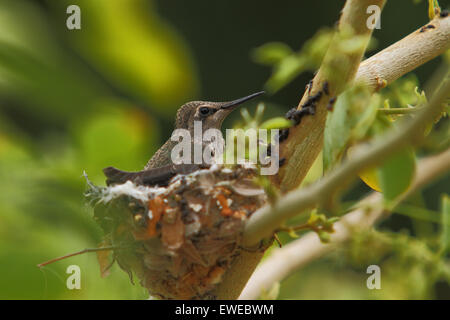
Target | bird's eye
(204,111)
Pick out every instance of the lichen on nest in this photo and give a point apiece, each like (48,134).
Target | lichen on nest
(178,240)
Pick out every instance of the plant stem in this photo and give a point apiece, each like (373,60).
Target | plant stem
(398,110)
(43,264)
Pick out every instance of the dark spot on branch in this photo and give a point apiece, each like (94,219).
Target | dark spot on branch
(331,103)
(284,133)
(282,162)
(290,113)
(325,88)
(299,114)
(429,26)
(311,102)
(313,99)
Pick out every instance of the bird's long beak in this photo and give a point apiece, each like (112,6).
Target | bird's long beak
(227,107)
(234,103)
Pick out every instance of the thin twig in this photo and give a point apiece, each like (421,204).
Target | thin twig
(40,265)
(398,110)
(277,240)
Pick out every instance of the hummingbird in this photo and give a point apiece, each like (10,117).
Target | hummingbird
(160,168)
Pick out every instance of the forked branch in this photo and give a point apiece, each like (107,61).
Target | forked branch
(264,221)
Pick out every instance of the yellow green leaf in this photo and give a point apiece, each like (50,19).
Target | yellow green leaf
(397,173)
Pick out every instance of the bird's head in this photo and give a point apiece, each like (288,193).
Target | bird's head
(211,114)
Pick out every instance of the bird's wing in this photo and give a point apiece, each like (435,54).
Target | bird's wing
(156,176)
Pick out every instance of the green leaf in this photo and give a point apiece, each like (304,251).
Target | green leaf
(354,113)
(288,64)
(421,97)
(271,53)
(324,236)
(276,123)
(433,6)
(404,92)
(285,71)
(292,233)
(396,173)
(366,118)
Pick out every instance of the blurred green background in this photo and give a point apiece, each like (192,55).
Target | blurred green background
(82,100)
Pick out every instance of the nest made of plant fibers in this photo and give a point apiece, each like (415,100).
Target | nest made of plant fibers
(178,240)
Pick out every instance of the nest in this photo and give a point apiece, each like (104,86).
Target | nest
(178,240)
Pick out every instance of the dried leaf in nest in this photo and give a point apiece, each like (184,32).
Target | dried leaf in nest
(104,260)
(172,233)
(182,238)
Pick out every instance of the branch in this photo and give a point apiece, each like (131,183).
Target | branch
(353,18)
(264,221)
(305,141)
(406,55)
(299,253)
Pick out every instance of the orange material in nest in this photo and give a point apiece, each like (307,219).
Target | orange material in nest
(226,211)
(156,207)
